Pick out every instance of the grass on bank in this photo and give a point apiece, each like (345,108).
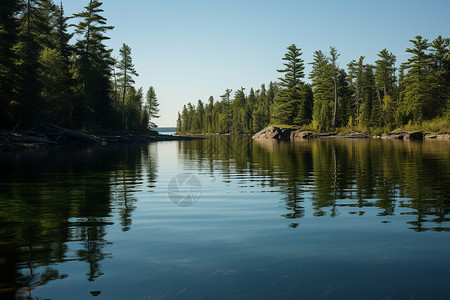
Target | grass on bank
(435,126)
(438,125)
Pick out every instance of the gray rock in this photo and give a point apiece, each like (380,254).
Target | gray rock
(415,135)
(301,134)
(273,132)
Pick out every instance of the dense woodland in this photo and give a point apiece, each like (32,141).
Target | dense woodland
(364,97)
(45,77)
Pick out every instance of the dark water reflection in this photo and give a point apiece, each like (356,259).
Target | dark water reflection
(397,177)
(321,219)
(52,199)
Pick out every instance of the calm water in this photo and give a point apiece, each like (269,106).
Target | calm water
(321,219)
(166,130)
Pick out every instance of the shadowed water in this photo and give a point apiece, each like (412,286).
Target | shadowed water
(319,219)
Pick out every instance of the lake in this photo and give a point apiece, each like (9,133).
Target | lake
(227,218)
(166,130)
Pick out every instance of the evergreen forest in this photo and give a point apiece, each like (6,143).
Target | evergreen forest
(373,98)
(80,85)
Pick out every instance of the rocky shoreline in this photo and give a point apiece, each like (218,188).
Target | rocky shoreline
(44,135)
(287,134)
(211,134)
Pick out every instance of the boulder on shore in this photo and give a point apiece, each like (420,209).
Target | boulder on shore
(274,132)
(299,134)
(416,135)
(404,135)
(440,136)
(289,133)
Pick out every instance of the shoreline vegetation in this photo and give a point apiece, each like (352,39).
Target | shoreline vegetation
(373,99)
(286,133)
(52,74)
(82,89)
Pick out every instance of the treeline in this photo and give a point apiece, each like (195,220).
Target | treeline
(364,97)
(43,77)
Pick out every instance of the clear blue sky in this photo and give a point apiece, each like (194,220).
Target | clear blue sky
(190,50)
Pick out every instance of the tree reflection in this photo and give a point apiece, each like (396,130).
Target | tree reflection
(56,206)
(339,175)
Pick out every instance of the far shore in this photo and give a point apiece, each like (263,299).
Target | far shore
(292,133)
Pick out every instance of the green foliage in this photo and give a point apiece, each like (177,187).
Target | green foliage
(416,93)
(333,60)
(44,77)
(238,114)
(93,65)
(369,98)
(30,43)
(330,91)
(55,81)
(385,84)
(290,104)
(61,36)
(437,125)
(151,108)
(126,71)
(133,109)
(8,79)
(293,73)
(425,88)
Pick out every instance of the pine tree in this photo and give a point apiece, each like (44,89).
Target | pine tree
(198,117)
(416,95)
(238,109)
(152,106)
(133,108)
(55,82)
(440,77)
(185,122)
(356,76)
(47,14)
(271,92)
(250,104)
(191,115)
(294,68)
(333,60)
(31,22)
(93,63)
(324,91)
(179,123)
(126,73)
(208,121)
(27,51)
(62,35)
(344,100)
(370,108)
(385,82)
(289,103)
(8,79)
(226,116)
(54,69)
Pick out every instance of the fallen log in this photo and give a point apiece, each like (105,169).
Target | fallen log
(71,133)
(22,138)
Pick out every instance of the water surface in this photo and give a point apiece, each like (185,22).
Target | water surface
(320,219)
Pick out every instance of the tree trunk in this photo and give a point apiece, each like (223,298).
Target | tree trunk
(335,101)
(381,106)
(124,94)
